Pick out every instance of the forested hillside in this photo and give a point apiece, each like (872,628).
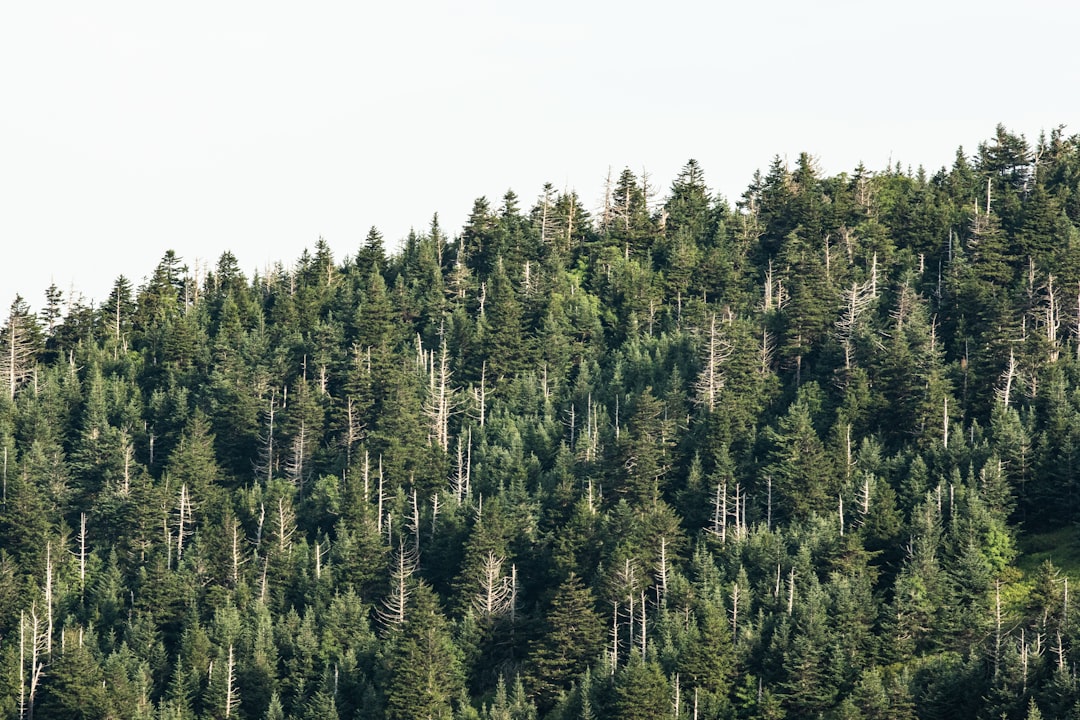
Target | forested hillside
(665,458)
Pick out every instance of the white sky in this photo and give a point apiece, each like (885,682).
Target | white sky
(128,128)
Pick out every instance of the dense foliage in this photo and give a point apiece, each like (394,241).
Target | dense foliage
(666,459)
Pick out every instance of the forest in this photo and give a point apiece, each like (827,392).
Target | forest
(813,454)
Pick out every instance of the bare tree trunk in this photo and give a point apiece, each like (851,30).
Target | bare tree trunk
(265,467)
(1008,375)
(768,502)
(286,525)
(232,692)
(237,552)
(735,612)
(22,665)
(129,458)
(439,403)
(513,594)
(997,629)
(482,395)
(354,430)
(379,522)
(840,498)
(614,636)
(711,379)
(945,425)
(367,477)
(496,591)
(457,486)
(183,521)
(82,555)
(415,524)
(262,581)
(662,571)
(643,630)
(720,513)
(392,614)
(434,513)
(296,467)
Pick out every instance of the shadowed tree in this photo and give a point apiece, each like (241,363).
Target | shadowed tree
(424,666)
(572,639)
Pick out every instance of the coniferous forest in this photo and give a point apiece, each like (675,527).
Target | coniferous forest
(814,453)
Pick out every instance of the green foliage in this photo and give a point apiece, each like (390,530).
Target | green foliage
(423,665)
(817,455)
(802,478)
(571,639)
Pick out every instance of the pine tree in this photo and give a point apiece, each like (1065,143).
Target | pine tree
(705,662)
(687,211)
(641,691)
(573,637)
(424,666)
(20,344)
(503,330)
(802,479)
(810,312)
(74,688)
(644,455)
(193,462)
(372,253)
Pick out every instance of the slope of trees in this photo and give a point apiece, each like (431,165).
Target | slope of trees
(669,458)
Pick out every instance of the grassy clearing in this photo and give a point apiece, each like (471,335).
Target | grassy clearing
(1060,546)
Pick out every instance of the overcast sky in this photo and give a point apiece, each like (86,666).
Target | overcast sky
(129,128)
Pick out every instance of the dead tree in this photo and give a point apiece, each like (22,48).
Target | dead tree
(1052,319)
(459,483)
(439,403)
(295,468)
(414,522)
(285,522)
(711,380)
(82,554)
(354,429)
(662,569)
(856,300)
(36,645)
(720,513)
(184,521)
(480,395)
(237,552)
(232,692)
(264,467)
(17,348)
(395,605)
(1008,376)
(128,451)
(496,594)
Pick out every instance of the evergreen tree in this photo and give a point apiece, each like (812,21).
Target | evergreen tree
(572,638)
(75,688)
(641,691)
(802,479)
(20,344)
(503,329)
(423,664)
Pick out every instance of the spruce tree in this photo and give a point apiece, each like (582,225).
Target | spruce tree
(424,665)
(572,638)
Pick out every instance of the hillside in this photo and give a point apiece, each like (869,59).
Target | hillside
(811,454)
